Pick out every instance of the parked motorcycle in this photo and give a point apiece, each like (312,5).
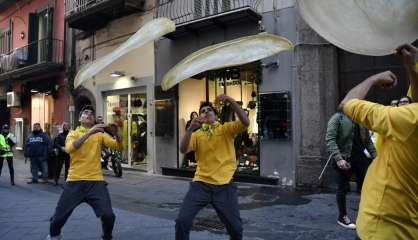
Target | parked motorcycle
(111,160)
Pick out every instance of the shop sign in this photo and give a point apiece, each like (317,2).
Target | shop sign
(224,74)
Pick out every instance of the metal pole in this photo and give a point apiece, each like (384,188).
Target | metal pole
(326,164)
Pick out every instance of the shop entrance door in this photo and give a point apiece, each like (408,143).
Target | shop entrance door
(42,105)
(130,112)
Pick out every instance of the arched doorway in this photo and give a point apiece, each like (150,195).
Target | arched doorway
(83,98)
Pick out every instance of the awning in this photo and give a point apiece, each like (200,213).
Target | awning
(149,32)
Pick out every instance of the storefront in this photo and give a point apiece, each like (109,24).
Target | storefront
(129,110)
(240,83)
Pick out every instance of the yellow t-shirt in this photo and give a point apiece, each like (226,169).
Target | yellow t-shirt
(85,161)
(216,161)
(389,199)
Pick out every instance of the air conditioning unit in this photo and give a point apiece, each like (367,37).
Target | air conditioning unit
(13,99)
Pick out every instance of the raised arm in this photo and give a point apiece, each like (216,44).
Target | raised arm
(385,80)
(72,144)
(237,109)
(196,123)
(409,54)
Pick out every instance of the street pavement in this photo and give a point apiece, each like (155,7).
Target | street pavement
(146,206)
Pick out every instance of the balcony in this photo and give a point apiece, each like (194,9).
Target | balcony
(36,59)
(4,4)
(91,15)
(192,15)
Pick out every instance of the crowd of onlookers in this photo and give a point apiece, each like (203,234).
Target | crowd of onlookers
(401,102)
(47,157)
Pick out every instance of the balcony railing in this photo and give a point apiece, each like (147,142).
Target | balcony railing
(41,51)
(75,6)
(182,11)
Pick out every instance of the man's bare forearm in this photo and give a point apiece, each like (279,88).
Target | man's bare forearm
(185,141)
(77,143)
(242,115)
(359,92)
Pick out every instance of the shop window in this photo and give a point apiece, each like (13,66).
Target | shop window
(240,83)
(130,112)
(164,115)
(274,118)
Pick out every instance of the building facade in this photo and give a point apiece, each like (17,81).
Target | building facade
(288,97)
(123,91)
(32,75)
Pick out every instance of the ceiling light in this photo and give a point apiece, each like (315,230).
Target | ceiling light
(117,74)
(33,91)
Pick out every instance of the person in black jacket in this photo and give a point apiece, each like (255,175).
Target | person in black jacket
(36,148)
(61,157)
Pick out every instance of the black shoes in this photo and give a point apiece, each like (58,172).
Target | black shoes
(345,222)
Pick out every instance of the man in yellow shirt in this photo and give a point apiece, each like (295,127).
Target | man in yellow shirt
(389,198)
(213,145)
(85,182)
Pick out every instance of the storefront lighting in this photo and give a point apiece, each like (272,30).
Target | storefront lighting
(117,74)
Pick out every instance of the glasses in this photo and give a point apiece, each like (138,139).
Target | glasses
(404,102)
(206,110)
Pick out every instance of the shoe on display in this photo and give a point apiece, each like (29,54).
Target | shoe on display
(345,222)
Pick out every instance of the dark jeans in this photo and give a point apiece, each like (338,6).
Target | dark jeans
(95,194)
(59,161)
(36,164)
(359,167)
(224,200)
(10,164)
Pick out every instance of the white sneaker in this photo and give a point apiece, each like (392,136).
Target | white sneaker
(59,237)
(346,222)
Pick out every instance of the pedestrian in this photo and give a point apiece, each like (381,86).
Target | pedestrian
(7,141)
(37,149)
(213,145)
(389,200)
(394,102)
(346,142)
(189,158)
(85,182)
(404,101)
(61,157)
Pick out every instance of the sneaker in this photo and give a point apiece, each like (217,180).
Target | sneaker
(33,182)
(345,222)
(59,237)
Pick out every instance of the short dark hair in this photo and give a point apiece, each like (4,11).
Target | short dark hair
(207,104)
(87,107)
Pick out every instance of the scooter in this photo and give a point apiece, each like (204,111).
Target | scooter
(114,158)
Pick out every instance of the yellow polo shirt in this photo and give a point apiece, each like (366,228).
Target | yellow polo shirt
(85,162)
(389,199)
(216,161)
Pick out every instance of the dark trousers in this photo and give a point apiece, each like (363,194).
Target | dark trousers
(224,200)
(10,164)
(36,164)
(60,161)
(359,167)
(95,194)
